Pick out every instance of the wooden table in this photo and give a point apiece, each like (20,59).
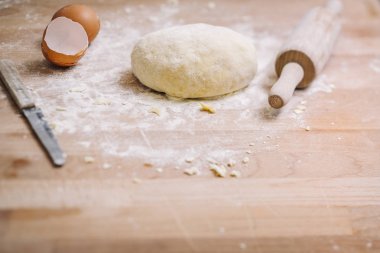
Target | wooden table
(301,191)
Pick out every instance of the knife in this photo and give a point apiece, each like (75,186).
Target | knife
(21,96)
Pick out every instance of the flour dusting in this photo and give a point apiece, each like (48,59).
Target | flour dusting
(375,65)
(101,97)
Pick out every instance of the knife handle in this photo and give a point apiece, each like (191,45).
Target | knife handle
(12,81)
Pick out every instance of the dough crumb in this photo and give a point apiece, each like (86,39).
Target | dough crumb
(307,128)
(189,159)
(52,125)
(193,171)
(235,173)
(231,163)
(219,171)
(248,151)
(88,159)
(251,144)
(297,111)
(245,160)
(102,101)
(136,180)
(301,107)
(60,109)
(107,166)
(177,168)
(206,108)
(155,110)
(159,170)
(148,164)
(211,5)
(153,19)
(243,246)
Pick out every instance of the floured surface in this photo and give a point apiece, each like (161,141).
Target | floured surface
(307,175)
(100,97)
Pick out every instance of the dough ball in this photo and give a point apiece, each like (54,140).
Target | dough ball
(194,61)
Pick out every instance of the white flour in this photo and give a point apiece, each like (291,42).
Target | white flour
(375,64)
(100,97)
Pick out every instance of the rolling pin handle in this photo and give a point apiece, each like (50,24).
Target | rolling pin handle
(283,89)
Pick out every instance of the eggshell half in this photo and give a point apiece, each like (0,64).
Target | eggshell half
(84,15)
(64,42)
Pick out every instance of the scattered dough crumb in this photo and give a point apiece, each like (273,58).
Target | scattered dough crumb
(245,160)
(301,107)
(231,163)
(155,110)
(52,125)
(153,19)
(219,171)
(193,171)
(307,128)
(61,109)
(159,170)
(189,159)
(136,180)
(211,5)
(88,159)
(206,108)
(297,111)
(303,102)
(107,166)
(248,151)
(235,173)
(242,246)
(251,144)
(148,164)
(102,101)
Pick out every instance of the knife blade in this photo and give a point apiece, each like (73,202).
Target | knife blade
(21,96)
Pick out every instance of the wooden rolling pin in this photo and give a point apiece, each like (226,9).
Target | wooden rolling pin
(306,52)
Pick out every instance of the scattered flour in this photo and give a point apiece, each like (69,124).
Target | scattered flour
(102,98)
(375,65)
(9,3)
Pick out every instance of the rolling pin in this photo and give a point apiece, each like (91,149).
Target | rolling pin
(306,52)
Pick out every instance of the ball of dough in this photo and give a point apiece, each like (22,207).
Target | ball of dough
(194,61)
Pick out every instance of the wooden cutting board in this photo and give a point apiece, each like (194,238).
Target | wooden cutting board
(300,191)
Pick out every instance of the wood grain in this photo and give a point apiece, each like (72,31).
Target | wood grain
(319,191)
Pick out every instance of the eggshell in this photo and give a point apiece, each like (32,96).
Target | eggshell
(64,42)
(84,15)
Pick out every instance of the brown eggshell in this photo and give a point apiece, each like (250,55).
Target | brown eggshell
(59,59)
(84,15)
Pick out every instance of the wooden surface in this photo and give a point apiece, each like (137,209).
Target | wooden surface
(318,192)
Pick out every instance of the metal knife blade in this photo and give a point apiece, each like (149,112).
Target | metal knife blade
(44,133)
(13,83)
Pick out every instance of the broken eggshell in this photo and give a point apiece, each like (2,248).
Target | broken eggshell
(84,15)
(64,42)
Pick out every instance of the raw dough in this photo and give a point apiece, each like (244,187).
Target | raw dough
(194,61)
